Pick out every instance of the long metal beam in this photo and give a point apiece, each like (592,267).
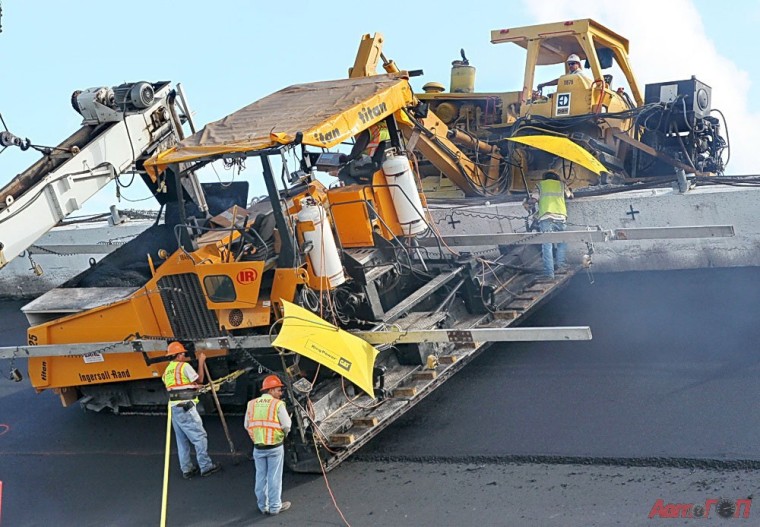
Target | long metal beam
(463,336)
(534,238)
(477,335)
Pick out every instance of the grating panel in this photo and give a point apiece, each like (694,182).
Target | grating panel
(185,306)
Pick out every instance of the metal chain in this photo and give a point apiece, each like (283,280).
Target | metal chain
(238,347)
(48,251)
(249,355)
(110,346)
(481,215)
(524,239)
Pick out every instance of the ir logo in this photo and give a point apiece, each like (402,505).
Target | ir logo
(247,276)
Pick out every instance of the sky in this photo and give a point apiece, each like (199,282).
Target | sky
(229,53)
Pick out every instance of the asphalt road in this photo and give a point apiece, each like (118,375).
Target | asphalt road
(661,405)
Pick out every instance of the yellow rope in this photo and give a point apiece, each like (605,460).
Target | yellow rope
(221,380)
(167,455)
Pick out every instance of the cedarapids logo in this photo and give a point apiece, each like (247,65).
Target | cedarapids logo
(721,507)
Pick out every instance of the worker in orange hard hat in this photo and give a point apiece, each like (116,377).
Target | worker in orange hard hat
(573,68)
(182,382)
(267,422)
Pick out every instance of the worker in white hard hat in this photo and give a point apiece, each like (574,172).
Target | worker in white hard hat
(573,68)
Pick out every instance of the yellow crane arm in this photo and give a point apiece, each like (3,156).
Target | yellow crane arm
(435,141)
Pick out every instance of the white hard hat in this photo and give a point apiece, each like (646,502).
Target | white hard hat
(573,58)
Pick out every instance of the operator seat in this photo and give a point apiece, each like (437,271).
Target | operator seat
(360,171)
(261,232)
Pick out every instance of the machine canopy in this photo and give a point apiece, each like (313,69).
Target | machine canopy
(327,113)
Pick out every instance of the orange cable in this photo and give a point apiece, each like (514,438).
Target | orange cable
(327,484)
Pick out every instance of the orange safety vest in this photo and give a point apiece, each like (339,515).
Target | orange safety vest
(263,425)
(377,134)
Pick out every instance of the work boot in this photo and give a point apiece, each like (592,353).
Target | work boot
(216,467)
(192,473)
(285,506)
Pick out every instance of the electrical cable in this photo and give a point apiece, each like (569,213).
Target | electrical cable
(728,141)
(327,483)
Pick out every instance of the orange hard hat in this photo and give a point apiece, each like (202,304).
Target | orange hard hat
(175,348)
(271,381)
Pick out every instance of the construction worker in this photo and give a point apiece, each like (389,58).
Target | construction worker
(267,422)
(369,141)
(367,154)
(573,68)
(182,382)
(552,217)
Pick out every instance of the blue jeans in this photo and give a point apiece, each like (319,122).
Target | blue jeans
(546,248)
(188,428)
(268,478)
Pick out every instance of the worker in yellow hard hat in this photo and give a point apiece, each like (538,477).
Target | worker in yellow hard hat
(267,422)
(573,68)
(182,382)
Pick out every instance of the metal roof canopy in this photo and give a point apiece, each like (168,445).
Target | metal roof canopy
(321,114)
(552,43)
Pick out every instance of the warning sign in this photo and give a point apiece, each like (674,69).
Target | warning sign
(563,104)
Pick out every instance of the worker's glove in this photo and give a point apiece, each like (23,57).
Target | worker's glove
(186,405)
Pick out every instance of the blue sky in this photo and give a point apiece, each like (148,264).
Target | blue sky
(230,53)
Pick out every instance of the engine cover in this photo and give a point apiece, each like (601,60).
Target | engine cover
(692,99)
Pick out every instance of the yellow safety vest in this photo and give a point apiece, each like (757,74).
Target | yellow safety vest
(551,199)
(175,378)
(263,425)
(377,134)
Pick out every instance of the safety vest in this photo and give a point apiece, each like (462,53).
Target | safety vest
(263,425)
(377,134)
(176,379)
(551,199)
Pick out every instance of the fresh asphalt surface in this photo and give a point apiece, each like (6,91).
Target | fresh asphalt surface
(661,404)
